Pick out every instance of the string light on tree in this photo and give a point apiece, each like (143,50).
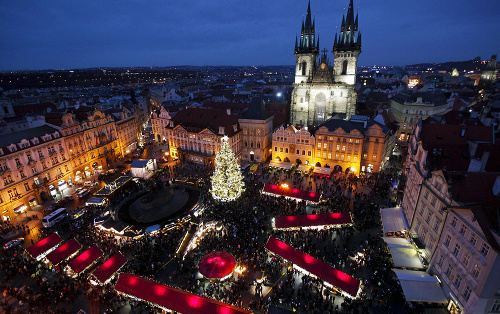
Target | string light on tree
(227,181)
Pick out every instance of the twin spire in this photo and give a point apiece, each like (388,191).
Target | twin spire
(307,41)
(349,38)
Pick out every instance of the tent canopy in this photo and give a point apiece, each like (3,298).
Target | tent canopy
(405,257)
(305,168)
(111,266)
(64,251)
(284,165)
(393,219)
(312,220)
(217,264)
(44,245)
(323,171)
(316,267)
(291,192)
(401,243)
(85,259)
(419,286)
(172,298)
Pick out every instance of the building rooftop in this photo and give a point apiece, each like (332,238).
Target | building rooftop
(27,134)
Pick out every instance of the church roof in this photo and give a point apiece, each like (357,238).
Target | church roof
(256,110)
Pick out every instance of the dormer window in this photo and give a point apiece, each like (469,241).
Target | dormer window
(235,128)
(221,130)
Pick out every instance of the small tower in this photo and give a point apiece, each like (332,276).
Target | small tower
(306,50)
(346,49)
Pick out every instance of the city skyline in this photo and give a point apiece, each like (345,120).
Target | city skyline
(53,35)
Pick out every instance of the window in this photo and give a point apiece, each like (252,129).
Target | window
(308,153)
(484,249)
(433,201)
(318,154)
(325,146)
(338,147)
(463,229)
(417,227)
(476,270)
(456,250)
(329,156)
(449,270)
(441,260)
(466,258)
(319,145)
(467,292)
(447,241)
(286,150)
(275,148)
(343,148)
(428,219)
(324,155)
(422,209)
(496,306)
(281,149)
(473,239)
(374,158)
(298,151)
(426,194)
(365,156)
(454,222)
(21,173)
(458,281)
(27,186)
(436,226)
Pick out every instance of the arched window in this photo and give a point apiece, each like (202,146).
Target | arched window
(304,68)
(6,109)
(344,67)
(258,144)
(246,144)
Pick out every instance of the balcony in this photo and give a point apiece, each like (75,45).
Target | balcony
(52,152)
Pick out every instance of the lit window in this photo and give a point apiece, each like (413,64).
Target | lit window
(466,258)
(467,293)
(476,270)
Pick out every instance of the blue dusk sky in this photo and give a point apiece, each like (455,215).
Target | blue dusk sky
(79,34)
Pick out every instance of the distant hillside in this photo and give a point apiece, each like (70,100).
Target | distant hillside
(469,65)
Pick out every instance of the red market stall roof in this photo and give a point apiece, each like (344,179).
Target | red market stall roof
(291,192)
(44,245)
(63,252)
(312,220)
(172,298)
(217,265)
(111,266)
(85,259)
(314,266)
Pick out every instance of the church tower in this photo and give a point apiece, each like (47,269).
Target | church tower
(346,49)
(306,50)
(322,91)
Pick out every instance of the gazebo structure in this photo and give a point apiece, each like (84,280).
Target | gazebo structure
(217,265)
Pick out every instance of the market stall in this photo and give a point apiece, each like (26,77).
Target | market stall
(217,265)
(418,286)
(277,190)
(172,299)
(332,278)
(85,260)
(403,253)
(279,164)
(43,247)
(312,221)
(64,252)
(106,271)
(393,220)
(322,171)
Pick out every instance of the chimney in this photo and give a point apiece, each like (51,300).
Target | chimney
(496,187)
(484,160)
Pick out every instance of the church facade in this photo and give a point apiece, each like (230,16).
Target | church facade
(322,91)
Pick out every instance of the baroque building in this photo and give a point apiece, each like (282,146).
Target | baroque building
(321,90)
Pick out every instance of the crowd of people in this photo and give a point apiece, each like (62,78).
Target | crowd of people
(246,229)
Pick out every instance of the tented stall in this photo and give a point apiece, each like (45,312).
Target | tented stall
(106,271)
(333,278)
(418,286)
(143,168)
(284,165)
(305,168)
(172,299)
(403,253)
(310,221)
(393,220)
(85,260)
(276,190)
(64,252)
(322,171)
(43,247)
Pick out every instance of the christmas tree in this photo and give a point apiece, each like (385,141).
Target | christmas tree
(227,181)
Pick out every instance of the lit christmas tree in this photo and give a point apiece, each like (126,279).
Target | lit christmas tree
(227,181)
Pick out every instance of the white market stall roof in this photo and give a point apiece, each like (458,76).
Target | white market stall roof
(405,257)
(305,168)
(418,286)
(325,171)
(284,165)
(401,243)
(393,219)
(139,163)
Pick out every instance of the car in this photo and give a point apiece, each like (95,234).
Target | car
(126,171)
(49,209)
(13,243)
(83,193)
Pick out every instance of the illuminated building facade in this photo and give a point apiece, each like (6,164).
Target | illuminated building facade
(357,145)
(322,91)
(407,108)
(257,132)
(194,134)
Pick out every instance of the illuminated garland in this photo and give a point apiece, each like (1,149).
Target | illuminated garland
(227,181)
